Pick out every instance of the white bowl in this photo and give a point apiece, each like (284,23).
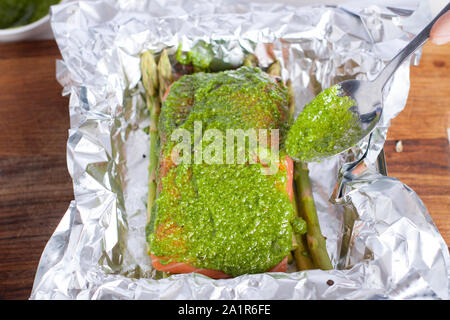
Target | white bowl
(39,29)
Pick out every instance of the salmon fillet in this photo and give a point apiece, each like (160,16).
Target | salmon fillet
(178,267)
(169,228)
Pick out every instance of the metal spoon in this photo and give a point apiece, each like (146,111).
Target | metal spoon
(368,94)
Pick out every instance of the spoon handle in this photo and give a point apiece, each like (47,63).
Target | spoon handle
(416,43)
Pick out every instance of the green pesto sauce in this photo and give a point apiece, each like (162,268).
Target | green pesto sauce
(201,55)
(202,58)
(324,128)
(238,99)
(226,217)
(15,13)
(299,225)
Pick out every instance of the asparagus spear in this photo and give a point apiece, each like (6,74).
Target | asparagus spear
(291,100)
(250,60)
(153,165)
(350,216)
(290,257)
(149,73)
(151,85)
(164,74)
(275,69)
(301,253)
(315,240)
(156,79)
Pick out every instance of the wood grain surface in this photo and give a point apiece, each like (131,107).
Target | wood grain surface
(36,189)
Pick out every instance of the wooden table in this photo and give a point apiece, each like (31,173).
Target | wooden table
(35,187)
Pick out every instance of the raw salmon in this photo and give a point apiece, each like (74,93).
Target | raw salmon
(179,267)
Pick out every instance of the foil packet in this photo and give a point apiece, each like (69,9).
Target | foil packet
(380,237)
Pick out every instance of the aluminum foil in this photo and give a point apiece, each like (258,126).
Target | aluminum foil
(390,249)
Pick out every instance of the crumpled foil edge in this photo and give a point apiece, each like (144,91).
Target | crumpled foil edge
(98,249)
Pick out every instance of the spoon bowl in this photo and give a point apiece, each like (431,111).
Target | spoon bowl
(368,102)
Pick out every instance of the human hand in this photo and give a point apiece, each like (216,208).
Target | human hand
(440,33)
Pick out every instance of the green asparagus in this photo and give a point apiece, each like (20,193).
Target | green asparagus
(151,84)
(314,237)
(165,76)
(275,69)
(250,60)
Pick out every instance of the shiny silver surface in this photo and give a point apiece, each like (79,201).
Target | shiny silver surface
(98,250)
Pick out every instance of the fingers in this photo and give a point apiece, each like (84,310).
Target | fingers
(440,33)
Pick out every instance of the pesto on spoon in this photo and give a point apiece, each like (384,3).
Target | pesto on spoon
(344,114)
(325,127)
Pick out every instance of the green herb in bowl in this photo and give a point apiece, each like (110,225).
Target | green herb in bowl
(16,13)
